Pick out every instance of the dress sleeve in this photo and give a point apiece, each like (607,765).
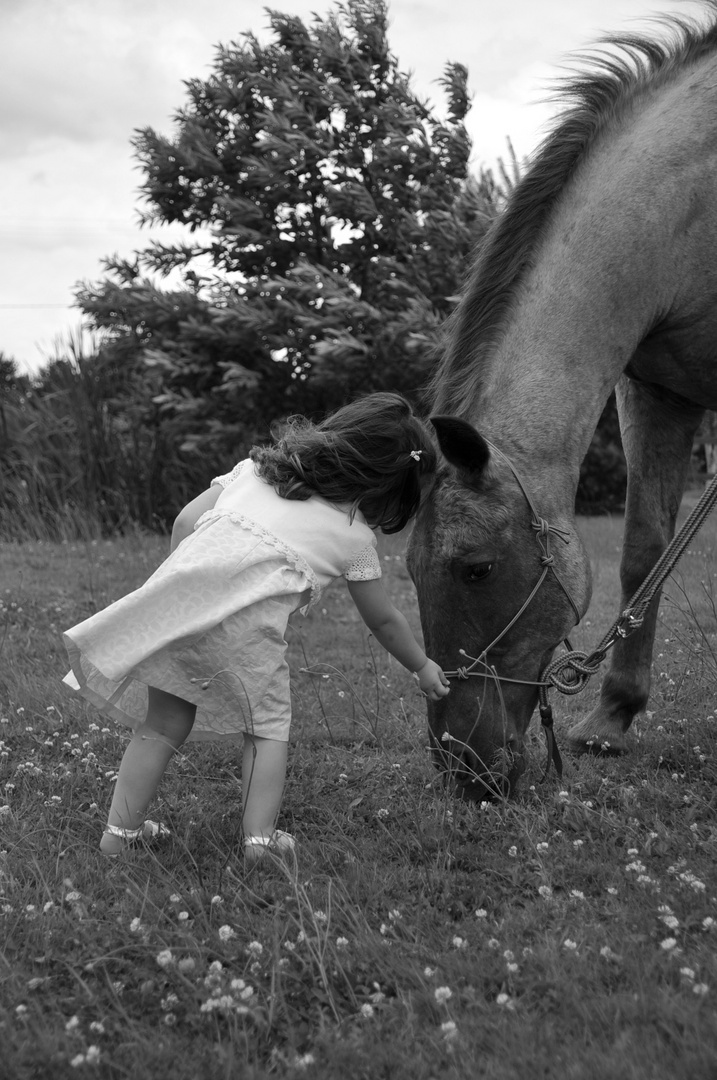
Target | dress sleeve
(227,478)
(365,566)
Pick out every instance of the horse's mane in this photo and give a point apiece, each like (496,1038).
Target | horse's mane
(596,98)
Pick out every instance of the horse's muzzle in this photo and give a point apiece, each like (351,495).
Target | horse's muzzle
(475,781)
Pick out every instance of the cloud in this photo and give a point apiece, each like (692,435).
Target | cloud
(77,70)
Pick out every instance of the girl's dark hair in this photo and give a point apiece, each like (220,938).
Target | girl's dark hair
(369,455)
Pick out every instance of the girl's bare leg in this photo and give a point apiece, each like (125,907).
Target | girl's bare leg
(263,776)
(169,721)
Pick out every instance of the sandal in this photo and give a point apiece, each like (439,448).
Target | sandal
(279,844)
(148,830)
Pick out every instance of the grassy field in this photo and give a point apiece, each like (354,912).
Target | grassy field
(568,934)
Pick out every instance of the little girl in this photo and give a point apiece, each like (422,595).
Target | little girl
(200,648)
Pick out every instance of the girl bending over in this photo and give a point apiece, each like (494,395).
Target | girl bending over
(199,649)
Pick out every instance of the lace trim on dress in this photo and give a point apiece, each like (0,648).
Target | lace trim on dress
(365,566)
(295,560)
(226,478)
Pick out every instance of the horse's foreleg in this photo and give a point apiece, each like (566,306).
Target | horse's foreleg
(657,435)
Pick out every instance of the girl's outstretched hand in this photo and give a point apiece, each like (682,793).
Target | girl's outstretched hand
(432,681)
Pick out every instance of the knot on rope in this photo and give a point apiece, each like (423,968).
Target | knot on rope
(541,528)
(570,672)
(547,560)
(461,672)
(628,622)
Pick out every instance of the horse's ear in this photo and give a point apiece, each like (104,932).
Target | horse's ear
(462,446)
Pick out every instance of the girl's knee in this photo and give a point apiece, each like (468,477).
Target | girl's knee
(169,718)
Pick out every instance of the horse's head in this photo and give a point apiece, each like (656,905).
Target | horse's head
(475,559)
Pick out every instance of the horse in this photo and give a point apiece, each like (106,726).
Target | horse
(599,273)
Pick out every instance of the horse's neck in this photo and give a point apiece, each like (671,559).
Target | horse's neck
(629,246)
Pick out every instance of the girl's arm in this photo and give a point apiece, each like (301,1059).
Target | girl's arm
(187,518)
(391,630)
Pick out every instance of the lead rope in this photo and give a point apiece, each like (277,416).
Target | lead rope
(570,672)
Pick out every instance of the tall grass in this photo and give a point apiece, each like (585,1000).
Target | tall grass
(568,933)
(84,450)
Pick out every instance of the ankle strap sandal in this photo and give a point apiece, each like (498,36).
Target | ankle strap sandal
(148,830)
(280,843)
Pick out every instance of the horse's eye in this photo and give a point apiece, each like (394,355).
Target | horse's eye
(478,571)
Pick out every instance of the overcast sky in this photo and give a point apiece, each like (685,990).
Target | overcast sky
(78,76)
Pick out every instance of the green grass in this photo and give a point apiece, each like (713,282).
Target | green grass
(569,933)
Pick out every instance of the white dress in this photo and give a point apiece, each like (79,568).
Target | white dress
(209,625)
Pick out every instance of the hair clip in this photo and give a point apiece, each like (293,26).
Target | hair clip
(416,454)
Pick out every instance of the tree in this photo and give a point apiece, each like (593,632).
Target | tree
(330,218)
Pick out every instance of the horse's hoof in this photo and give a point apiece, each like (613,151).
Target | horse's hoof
(596,736)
